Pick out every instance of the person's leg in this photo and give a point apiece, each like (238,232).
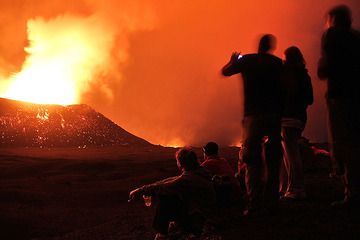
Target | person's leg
(194,224)
(169,208)
(273,158)
(352,182)
(284,177)
(252,159)
(337,135)
(352,150)
(344,131)
(293,162)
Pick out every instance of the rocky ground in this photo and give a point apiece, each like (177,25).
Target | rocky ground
(71,193)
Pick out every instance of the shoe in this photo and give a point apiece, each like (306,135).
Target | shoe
(160,236)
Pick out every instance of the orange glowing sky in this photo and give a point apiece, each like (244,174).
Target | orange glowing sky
(153,66)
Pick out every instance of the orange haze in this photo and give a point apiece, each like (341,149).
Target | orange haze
(153,66)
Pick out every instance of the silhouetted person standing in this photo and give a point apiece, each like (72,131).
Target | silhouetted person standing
(298,95)
(340,65)
(261,124)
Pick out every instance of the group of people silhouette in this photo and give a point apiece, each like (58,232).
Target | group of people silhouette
(276,96)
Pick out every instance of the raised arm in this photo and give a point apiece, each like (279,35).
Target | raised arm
(167,185)
(233,66)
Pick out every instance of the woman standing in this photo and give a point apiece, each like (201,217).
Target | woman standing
(298,95)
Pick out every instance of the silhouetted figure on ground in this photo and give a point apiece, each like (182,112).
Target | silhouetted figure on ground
(261,75)
(340,65)
(187,199)
(298,95)
(226,185)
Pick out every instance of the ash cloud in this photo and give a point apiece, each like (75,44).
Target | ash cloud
(162,80)
(175,92)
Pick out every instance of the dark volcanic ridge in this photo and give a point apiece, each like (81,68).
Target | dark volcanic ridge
(24,124)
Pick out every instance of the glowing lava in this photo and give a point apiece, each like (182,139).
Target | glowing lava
(64,55)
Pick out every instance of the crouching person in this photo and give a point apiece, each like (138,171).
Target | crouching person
(187,199)
(227,187)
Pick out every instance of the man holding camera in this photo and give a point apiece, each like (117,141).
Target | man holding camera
(261,73)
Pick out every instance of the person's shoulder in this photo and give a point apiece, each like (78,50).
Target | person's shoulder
(274,59)
(208,162)
(336,33)
(249,56)
(272,56)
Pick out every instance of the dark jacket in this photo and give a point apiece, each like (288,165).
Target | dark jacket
(340,63)
(261,75)
(194,188)
(220,167)
(298,92)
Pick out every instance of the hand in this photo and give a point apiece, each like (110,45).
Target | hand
(134,194)
(235,56)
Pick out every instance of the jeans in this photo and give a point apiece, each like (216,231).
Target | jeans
(262,154)
(292,178)
(172,208)
(344,132)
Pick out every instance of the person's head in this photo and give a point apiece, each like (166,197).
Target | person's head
(294,56)
(186,159)
(267,43)
(339,17)
(211,148)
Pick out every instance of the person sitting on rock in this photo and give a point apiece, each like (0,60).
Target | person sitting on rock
(181,198)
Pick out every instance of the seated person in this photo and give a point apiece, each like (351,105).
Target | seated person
(226,185)
(181,198)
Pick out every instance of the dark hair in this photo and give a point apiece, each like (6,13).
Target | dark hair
(187,158)
(341,15)
(293,55)
(211,148)
(267,42)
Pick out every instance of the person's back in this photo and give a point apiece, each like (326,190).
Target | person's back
(298,91)
(343,55)
(227,187)
(218,166)
(261,74)
(194,187)
(341,61)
